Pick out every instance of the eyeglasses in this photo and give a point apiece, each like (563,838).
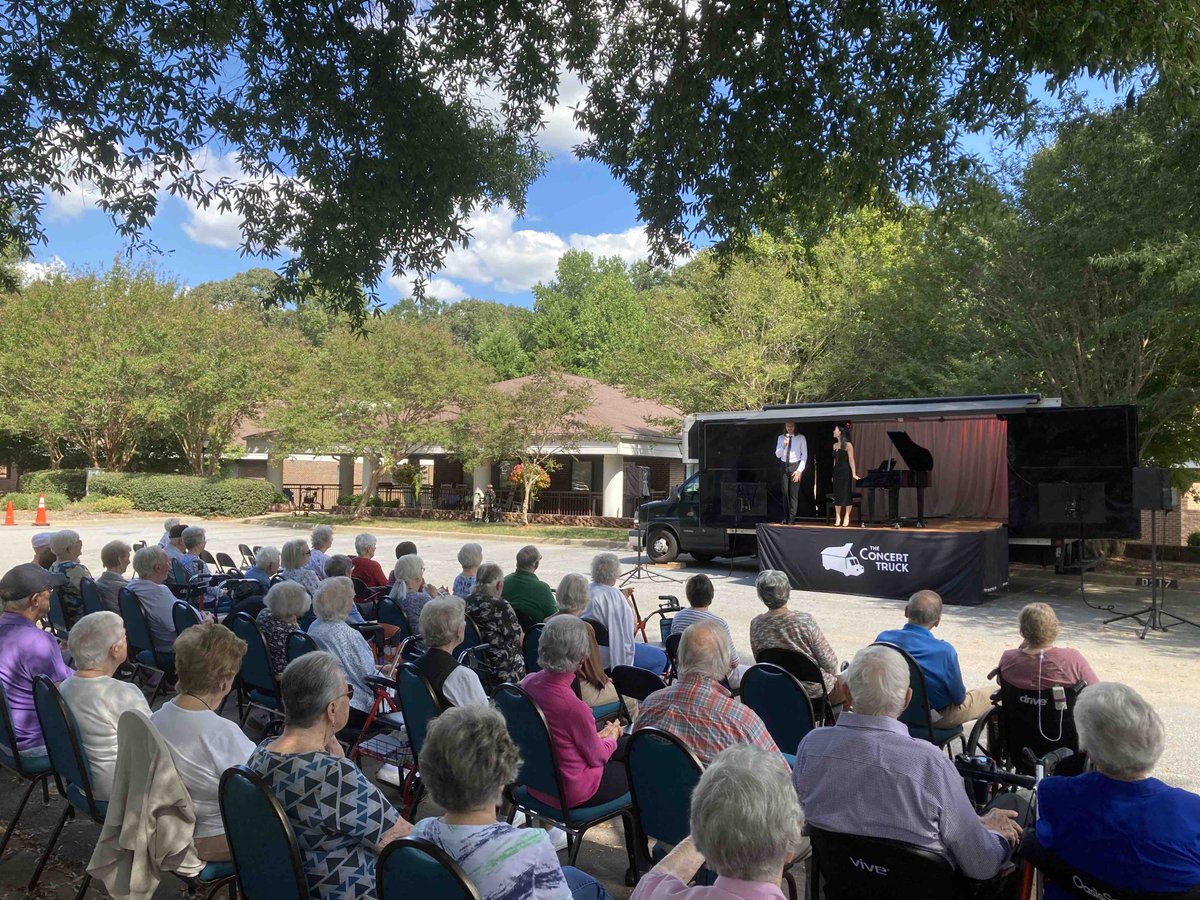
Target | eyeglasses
(349,695)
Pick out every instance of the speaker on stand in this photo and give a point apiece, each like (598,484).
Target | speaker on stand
(1152,492)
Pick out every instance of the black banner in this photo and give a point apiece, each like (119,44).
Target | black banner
(962,566)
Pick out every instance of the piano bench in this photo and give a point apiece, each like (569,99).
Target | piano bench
(855,507)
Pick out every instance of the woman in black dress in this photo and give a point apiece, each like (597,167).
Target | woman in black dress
(844,474)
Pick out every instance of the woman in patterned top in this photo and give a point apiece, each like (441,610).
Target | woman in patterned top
(285,603)
(793,630)
(67,546)
(467,758)
(341,820)
(293,561)
(497,625)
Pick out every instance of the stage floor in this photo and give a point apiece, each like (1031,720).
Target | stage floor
(956,525)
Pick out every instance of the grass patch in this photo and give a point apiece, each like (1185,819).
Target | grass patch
(497,529)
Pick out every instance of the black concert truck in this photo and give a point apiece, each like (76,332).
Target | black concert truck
(1070,471)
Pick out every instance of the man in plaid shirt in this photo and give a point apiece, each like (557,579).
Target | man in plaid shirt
(698,709)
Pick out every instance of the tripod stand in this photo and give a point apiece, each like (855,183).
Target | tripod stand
(641,570)
(1154,613)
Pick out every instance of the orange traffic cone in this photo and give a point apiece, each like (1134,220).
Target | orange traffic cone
(9,518)
(41,512)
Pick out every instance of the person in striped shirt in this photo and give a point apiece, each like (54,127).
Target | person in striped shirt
(699,590)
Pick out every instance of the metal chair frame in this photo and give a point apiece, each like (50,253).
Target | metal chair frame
(917,678)
(132,613)
(18,766)
(300,885)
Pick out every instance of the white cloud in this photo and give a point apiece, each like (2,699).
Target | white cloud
(212,227)
(631,245)
(561,134)
(78,199)
(30,271)
(445,290)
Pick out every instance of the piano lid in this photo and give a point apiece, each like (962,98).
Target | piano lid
(916,457)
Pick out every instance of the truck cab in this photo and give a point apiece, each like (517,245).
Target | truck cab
(672,526)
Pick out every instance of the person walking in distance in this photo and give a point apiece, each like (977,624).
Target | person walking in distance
(791,449)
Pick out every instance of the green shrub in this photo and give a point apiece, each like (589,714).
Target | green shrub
(188,494)
(1194,539)
(72,482)
(104,504)
(349,499)
(22,500)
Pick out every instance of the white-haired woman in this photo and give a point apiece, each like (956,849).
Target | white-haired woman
(410,591)
(467,760)
(793,629)
(443,622)
(609,605)
(595,687)
(340,828)
(498,625)
(284,604)
(266,566)
(166,535)
(470,557)
(293,565)
(96,699)
(1117,823)
(366,568)
(1037,663)
(746,823)
(332,604)
(67,545)
(321,540)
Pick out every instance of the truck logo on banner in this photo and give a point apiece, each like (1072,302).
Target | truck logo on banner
(843,559)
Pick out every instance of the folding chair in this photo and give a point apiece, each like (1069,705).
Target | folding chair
(266,857)
(370,598)
(247,555)
(524,620)
(672,648)
(662,773)
(256,678)
(299,643)
(69,762)
(57,616)
(529,648)
(471,653)
(208,558)
(540,771)
(34,770)
(184,616)
(780,701)
(918,715)
(853,867)
(141,646)
(89,596)
(805,670)
(630,681)
(226,564)
(410,867)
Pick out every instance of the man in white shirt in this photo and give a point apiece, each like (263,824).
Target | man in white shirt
(791,449)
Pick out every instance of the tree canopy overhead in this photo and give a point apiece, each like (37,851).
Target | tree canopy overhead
(369,130)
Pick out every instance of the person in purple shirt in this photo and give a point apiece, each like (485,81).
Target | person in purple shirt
(1117,823)
(904,789)
(27,651)
(952,704)
(746,824)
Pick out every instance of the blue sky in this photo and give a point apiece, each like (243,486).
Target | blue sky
(574,204)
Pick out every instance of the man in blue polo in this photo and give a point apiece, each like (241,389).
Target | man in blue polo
(952,704)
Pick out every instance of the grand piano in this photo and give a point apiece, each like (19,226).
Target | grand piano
(887,477)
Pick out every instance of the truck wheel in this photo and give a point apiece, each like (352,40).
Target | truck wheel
(702,558)
(662,547)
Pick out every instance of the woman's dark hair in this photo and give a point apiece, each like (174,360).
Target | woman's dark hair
(406,548)
(845,438)
(699,590)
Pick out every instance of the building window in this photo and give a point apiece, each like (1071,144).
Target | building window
(3,471)
(581,475)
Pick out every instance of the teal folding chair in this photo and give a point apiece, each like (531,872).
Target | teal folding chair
(780,701)
(141,646)
(917,716)
(58,615)
(35,770)
(540,771)
(266,857)
(259,685)
(299,643)
(529,648)
(89,596)
(184,616)
(662,772)
(410,867)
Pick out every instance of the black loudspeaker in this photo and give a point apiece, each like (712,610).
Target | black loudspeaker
(1152,489)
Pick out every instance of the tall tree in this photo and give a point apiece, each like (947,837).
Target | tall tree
(385,397)
(365,132)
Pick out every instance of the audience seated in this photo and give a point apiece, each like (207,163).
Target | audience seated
(949,699)
(525,592)
(293,565)
(904,789)
(793,629)
(467,759)
(698,709)
(595,687)
(115,557)
(404,548)
(333,602)
(27,651)
(470,556)
(195,539)
(341,820)
(96,699)
(365,568)
(203,743)
(410,591)
(497,624)
(745,825)
(1037,663)
(699,591)
(166,535)
(1117,823)
(266,565)
(174,548)
(152,567)
(285,603)
(42,554)
(609,605)
(443,621)
(339,565)
(321,540)
(67,545)
(591,766)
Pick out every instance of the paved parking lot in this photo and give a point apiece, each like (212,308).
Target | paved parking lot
(1162,667)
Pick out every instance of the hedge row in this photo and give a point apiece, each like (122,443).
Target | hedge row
(24,500)
(188,494)
(72,482)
